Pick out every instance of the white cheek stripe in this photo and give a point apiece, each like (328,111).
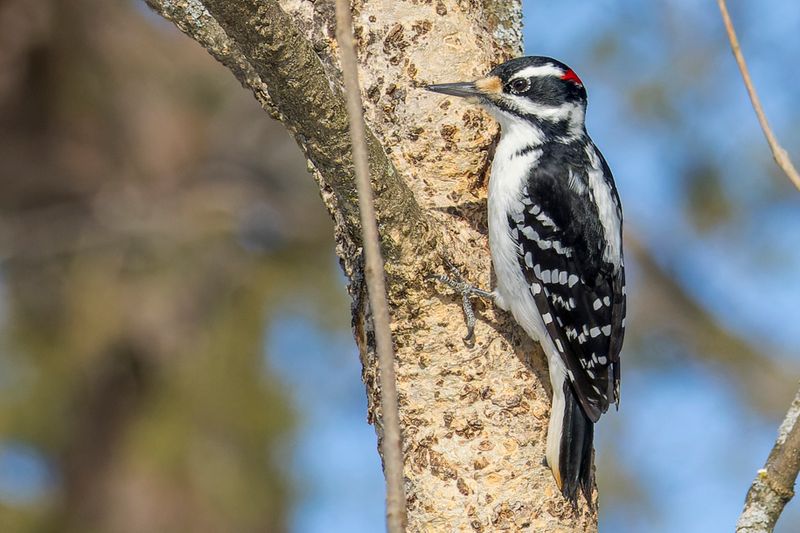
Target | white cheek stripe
(541,70)
(570,112)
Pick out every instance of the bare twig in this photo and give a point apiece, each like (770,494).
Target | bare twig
(391,444)
(778,153)
(773,486)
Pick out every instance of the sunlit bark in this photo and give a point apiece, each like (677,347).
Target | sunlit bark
(473,418)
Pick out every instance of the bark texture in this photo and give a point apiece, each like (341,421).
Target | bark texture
(474,418)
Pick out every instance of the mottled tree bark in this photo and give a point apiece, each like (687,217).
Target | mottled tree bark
(473,418)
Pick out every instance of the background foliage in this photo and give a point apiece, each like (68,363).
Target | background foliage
(175,352)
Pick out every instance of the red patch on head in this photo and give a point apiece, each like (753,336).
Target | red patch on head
(571,76)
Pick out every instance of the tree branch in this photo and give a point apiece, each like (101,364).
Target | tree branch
(374,273)
(474,418)
(778,153)
(773,486)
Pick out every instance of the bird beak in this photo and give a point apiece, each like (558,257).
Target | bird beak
(463,89)
(486,88)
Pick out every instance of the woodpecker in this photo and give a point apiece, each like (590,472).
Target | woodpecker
(555,236)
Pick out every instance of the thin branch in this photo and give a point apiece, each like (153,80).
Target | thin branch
(374,273)
(778,153)
(773,486)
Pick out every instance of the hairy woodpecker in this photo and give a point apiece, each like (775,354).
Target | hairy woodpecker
(555,234)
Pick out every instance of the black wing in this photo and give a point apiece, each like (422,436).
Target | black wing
(579,294)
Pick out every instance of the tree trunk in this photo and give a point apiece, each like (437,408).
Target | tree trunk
(474,418)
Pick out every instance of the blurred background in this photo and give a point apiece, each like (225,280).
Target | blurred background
(175,349)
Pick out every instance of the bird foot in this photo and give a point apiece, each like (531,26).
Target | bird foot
(456,281)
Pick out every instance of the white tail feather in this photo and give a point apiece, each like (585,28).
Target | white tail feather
(555,428)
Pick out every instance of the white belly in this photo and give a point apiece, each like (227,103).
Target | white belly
(512,293)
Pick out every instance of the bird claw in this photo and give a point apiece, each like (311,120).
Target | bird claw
(467,290)
(469,315)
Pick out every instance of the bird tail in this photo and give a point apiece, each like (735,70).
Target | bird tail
(570,454)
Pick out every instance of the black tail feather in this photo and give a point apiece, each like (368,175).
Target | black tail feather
(576,453)
(587,463)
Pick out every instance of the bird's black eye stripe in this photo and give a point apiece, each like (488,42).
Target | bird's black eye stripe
(519,85)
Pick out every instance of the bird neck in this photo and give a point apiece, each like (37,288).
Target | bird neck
(519,136)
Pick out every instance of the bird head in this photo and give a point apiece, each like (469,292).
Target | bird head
(536,90)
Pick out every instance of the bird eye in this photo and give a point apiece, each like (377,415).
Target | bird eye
(520,85)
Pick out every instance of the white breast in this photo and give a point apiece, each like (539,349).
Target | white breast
(509,176)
